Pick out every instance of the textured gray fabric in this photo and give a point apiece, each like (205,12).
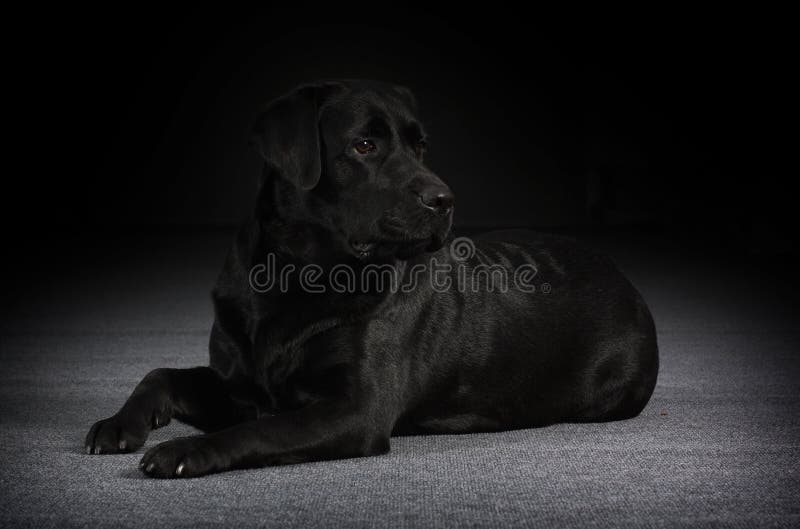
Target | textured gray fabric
(717,445)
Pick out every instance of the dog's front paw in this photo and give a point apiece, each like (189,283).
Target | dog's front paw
(124,432)
(184,457)
(115,436)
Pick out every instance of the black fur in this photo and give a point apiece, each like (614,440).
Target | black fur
(302,376)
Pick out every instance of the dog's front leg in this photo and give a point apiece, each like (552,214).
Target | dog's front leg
(331,429)
(198,396)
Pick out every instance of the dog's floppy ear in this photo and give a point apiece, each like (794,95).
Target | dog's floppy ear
(286,133)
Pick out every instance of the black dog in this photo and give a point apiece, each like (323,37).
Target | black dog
(316,355)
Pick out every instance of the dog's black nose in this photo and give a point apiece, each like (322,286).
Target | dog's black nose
(439,199)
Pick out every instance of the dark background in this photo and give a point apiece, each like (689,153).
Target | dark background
(671,123)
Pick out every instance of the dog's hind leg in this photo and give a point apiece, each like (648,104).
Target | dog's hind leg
(622,379)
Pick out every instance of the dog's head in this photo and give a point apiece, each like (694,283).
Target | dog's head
(347,158)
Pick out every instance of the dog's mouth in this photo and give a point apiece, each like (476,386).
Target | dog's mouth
(398,248)
(363,250)
(397,237)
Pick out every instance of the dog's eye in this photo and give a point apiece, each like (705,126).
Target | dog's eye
(365,146)
(421,146)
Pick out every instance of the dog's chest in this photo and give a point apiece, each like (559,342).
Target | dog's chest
(283,363)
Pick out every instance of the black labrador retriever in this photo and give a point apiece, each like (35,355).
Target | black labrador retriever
(346,314)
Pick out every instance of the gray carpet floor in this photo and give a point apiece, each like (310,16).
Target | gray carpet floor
(716,446)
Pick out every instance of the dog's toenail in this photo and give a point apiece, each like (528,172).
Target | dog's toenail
(150,467)
(88,449)
(179,470)
(96,449)
(123,445)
